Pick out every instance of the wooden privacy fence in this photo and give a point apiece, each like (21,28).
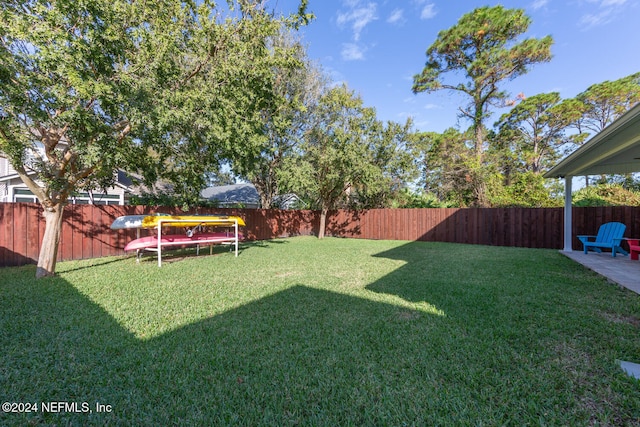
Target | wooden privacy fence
(521,227)
(86,232)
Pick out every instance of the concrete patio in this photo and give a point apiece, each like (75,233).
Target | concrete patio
(619,270)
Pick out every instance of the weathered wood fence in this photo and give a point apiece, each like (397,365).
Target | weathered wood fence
(86,232)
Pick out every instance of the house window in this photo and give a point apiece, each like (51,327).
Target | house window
(24,195)
(95,199)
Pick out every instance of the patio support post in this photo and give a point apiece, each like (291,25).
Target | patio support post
(568,246)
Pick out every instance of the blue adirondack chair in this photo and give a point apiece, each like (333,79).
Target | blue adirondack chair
(609,236)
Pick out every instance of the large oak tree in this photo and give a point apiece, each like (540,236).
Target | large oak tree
(348,155)
(90,86)
(297,86)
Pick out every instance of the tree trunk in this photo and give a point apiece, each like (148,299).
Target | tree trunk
(323,222)
(49,247)
(265,193)
(481,194)
(265,201)
(478,141)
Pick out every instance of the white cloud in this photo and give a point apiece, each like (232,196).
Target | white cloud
(351,3)
(396,17)
(607,3)
(428,11)
(422,124)
(609,9)
(335,76)
(403,115)
(408,77)
(358,17)
(352,52)
(594,20)
(538,4)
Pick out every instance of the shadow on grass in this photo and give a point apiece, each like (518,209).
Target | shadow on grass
(176,253)
(182,253)
(94,263)
(293,357)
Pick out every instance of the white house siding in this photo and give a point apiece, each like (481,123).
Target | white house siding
(6,168)
(4,192)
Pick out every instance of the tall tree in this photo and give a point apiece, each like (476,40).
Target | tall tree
(86,87)
(297,88)
(220,117)
(604,102)
(483,48)
(390,162)
(335,157)
(534,131)
(445,163)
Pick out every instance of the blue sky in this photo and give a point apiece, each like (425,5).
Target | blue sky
(376,47)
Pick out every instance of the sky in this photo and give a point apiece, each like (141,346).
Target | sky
(376,47)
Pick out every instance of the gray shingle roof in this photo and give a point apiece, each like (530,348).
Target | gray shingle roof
(232,194)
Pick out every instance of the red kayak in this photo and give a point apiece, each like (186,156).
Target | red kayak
(181,239)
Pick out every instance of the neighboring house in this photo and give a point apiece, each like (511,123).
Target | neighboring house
(231,196)
(246,196)
(12,189)
(288,201)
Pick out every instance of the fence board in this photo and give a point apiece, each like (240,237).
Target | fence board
(32,231)
(97,233)
(20,221)
(6,234)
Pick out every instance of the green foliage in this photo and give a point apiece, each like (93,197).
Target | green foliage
(219,178)
(606,195)
(407,198)
(332,150)
(528,189)
(69,72)
(170,200)
(448,166)
(163,86)
(390,166)
(627,181)
(604,102)
(482,47)
(348,158)
(220,114)
(484,50)
(533,133)
(285,120)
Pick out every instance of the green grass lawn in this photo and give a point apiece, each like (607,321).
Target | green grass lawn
(332,332)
